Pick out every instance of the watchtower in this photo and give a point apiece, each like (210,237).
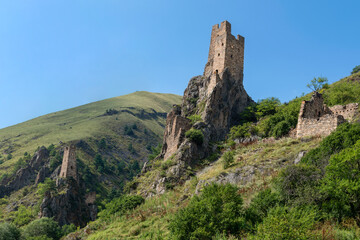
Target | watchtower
(68,167)
(225,51)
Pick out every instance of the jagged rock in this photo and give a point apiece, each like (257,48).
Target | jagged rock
(218,97)
(67,207)
(42,174)
(37,160)
(299,157)
(26,175)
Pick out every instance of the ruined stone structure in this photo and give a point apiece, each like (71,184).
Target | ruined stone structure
(316,119)
(213,101)
(68,167)
(225,51)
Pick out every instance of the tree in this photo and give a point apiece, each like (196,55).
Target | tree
(356,69)
(42,227)
(317,83)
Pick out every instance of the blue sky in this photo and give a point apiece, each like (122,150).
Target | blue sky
(63,53)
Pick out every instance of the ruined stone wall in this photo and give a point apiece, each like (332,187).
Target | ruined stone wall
(322,126)
(315,118)
(176,126)
(225,51)
(68,167)
(348,111)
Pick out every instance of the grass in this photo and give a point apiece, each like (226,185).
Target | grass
(88,121)
(148,221)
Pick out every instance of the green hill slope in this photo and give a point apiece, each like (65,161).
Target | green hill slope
(146,110)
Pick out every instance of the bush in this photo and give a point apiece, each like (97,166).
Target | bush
(9,232)
(121,205)
(218,209)
(267,107)
(243,131)
(48,185)
(341,184)
(66,229)
(228,159)
(287,224)
(42,227)
(22,216)
(356,69)
(298,184)
(195,136)
(195,118)
(281,128)
(259,207)
(342,92)
(345,136)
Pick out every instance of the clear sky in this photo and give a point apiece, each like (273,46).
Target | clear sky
(60,54)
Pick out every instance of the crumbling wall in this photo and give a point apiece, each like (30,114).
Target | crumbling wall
(348,111)
(322,126)
(316,119)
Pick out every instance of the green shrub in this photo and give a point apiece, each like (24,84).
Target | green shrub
(287,224)
(298,184)
(356,69)
(66,229)
(168,163)
(345,136)
(9,232)
(42,227)
(121,205)
(195,118)
(267,107)
(218,209)
(281,128)
(195,136)
(48,185)
(341,184)
(342,92)
(22,216)
(228,159)
(259,207)
(243,131)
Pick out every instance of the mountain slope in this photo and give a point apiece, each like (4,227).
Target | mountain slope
(147,110)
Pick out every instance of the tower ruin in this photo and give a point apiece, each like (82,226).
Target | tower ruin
(225,51)
(68,167)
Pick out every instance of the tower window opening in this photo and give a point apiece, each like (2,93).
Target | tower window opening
(222,44)
(231,55)
(218,54)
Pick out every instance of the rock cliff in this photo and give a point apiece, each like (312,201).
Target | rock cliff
(212,103)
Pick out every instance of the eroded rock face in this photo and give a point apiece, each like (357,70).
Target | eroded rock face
(68,207)
(27,175)
(212,103)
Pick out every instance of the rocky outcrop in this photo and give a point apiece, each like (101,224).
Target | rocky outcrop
(69,206)
(27,175)
(212,103)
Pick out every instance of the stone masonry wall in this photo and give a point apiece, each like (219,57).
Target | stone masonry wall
(68,167)
(225,51)
(347,111)
(319,127)
(315,118)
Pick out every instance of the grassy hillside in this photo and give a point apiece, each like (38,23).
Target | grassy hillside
(303,201)
(90,121)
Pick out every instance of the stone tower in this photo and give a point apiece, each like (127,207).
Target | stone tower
(225,51)
(68,167)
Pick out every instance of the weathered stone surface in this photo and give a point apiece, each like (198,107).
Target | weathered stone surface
(69,206)
(299,157)
(42,174)
(218,97)
(27,175)
(316,119)
(68,166)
